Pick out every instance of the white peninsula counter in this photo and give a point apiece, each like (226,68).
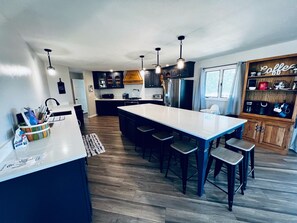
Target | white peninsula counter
(49,183)
(203,127)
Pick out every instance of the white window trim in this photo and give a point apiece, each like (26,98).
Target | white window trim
(220,68)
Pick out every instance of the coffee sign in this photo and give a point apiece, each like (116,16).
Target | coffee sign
(277,69)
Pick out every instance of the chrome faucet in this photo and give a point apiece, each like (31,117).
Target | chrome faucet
(47,110)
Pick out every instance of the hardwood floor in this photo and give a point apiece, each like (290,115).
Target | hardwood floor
(126,188)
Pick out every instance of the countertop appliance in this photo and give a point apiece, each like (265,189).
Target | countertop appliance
(263,85)
(125,96)
(107,96)
(157,96)
(262,107)
(178,93)
(249,106)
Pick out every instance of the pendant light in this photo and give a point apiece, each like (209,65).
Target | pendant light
(180,60)
(50,69)
(142,69)
(158,66)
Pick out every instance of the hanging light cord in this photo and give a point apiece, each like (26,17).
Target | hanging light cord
(49,59)
(181,49)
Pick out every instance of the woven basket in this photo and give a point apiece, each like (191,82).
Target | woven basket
(36,132)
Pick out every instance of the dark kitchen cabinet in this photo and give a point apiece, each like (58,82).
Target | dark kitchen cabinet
(108,80)
(151,79)
(115,79)
(55,194)
(152,102)
(110,107)
(128,125)
(99,79)
(174,72)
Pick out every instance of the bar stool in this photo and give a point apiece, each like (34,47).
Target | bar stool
(231,160)
(164,138)
(145,132)
(184,149)
(247,150)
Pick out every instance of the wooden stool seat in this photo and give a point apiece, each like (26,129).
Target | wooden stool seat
(145,128)
(184,149)
(240,144)
(164,138)
(231,160)
(226,156)
(247,150)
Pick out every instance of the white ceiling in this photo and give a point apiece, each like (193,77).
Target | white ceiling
(111,34)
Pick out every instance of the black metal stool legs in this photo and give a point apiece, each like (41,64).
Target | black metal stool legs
(184,159)
(169,160)
(252,153)
(231,160)
(231,184)
(184,149)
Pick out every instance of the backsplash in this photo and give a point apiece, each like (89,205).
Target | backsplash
(145,93)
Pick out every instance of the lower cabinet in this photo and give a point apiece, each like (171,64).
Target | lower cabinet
(55,194)
(128,125)
(110,107)
(273,135)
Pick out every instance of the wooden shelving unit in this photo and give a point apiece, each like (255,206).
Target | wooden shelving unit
(271,130)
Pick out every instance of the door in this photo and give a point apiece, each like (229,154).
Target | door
(274,134)
(79,92)
(251,130)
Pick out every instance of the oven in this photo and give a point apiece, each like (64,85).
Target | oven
(131,102)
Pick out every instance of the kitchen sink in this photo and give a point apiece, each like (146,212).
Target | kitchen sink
(60,113)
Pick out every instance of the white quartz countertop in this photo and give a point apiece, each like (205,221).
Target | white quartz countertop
(198,124)
(63,145)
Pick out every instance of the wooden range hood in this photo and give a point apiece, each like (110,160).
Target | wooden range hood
(133,77)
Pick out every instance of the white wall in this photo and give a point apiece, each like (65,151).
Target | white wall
(258,53)
(88,78)
(22,79)
(63,73)
(263,52)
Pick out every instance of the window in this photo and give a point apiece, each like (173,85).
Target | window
(219,81)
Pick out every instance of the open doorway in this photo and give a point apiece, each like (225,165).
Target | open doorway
(79,93)
(78,90)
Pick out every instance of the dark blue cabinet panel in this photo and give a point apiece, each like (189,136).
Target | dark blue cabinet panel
(56,194)
(174,72)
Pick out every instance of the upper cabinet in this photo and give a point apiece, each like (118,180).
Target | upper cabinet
(108,80)
(151,79)
(174,72)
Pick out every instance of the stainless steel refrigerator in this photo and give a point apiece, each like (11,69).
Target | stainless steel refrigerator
(178,93)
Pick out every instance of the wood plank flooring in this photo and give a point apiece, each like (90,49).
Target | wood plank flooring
(126,188)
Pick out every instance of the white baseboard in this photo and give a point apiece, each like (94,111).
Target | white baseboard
(91,116)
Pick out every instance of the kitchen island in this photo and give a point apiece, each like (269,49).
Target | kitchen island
(48,181)
(203,127)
